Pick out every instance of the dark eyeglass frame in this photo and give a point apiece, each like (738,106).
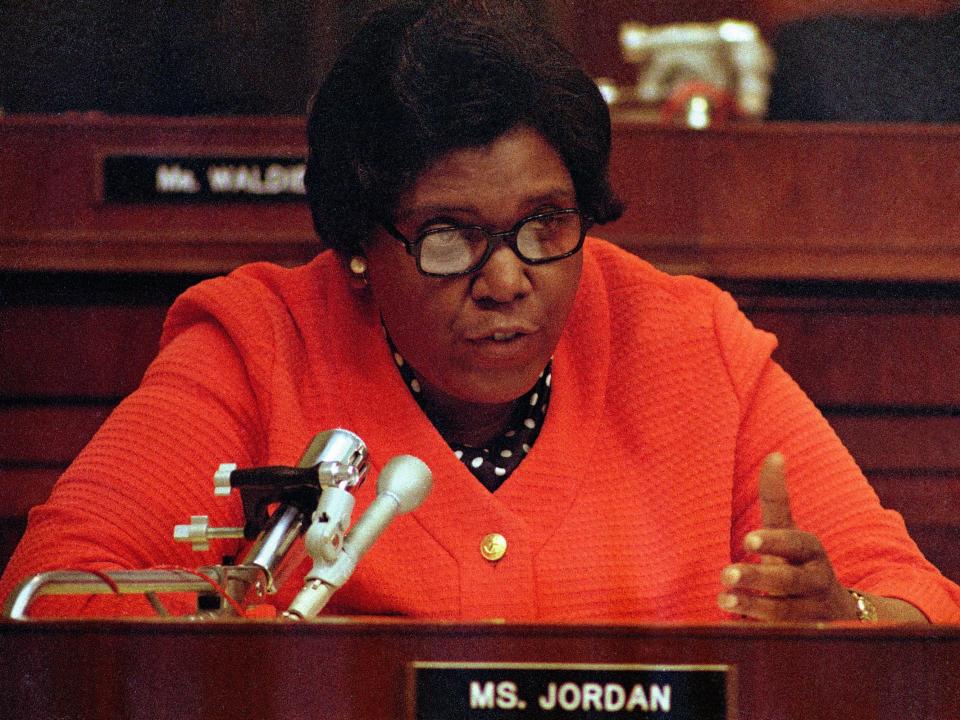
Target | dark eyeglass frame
(507,237)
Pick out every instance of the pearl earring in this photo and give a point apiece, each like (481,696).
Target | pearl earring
(358,265)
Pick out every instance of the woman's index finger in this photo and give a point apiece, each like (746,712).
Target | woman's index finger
(774,499)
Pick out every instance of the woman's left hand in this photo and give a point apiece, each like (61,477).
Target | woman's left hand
(794,580)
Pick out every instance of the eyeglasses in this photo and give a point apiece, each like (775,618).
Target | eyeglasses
(454,250)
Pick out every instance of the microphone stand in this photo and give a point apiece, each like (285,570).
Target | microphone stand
(339,459)
(402,485)
(314,497)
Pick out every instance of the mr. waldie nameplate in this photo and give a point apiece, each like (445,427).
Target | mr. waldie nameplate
(202,179)
(519,691)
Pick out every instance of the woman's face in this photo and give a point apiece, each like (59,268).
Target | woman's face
(445,328)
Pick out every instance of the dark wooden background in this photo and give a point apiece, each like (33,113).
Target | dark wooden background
(250,57)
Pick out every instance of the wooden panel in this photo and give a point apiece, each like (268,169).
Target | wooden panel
(762,200)
(930,506)
(48,435)
(828,186)
(11,530)
(792,201)
(55,218)
(911,442)
(939,544)
(22,488)
(922,499)
(652,176)
(49,350)
(873,359)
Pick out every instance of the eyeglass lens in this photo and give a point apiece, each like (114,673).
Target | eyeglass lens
(455,250)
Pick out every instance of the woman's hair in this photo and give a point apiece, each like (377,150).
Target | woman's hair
(421,79)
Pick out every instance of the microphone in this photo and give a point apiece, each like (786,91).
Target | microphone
(402,486)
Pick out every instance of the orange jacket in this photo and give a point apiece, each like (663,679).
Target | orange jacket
(637,492)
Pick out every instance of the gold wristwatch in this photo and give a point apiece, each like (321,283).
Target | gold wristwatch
(866,610)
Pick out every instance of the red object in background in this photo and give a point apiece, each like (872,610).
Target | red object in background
(722,106)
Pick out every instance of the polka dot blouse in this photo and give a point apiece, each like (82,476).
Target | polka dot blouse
(493,463)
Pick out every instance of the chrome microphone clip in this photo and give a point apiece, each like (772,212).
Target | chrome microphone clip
(333,459)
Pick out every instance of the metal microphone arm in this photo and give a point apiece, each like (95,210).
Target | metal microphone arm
(316,495)
(340,460)
(402,486)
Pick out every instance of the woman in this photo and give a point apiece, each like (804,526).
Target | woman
(605,440)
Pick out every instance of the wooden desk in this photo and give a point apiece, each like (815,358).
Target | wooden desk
(356,669)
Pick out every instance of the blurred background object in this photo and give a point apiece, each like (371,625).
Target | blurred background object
(699,73)
(838,59)
(864,68)
(698,105)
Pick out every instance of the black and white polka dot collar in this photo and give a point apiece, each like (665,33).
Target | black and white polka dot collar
(493,463)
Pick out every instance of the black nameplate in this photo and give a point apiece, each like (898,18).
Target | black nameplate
(494,691)
(192,179)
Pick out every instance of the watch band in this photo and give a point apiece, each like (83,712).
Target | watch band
(866,609)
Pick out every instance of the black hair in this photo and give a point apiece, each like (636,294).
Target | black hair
(421,79)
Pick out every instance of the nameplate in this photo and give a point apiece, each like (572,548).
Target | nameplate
(495,691)
(202,179)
